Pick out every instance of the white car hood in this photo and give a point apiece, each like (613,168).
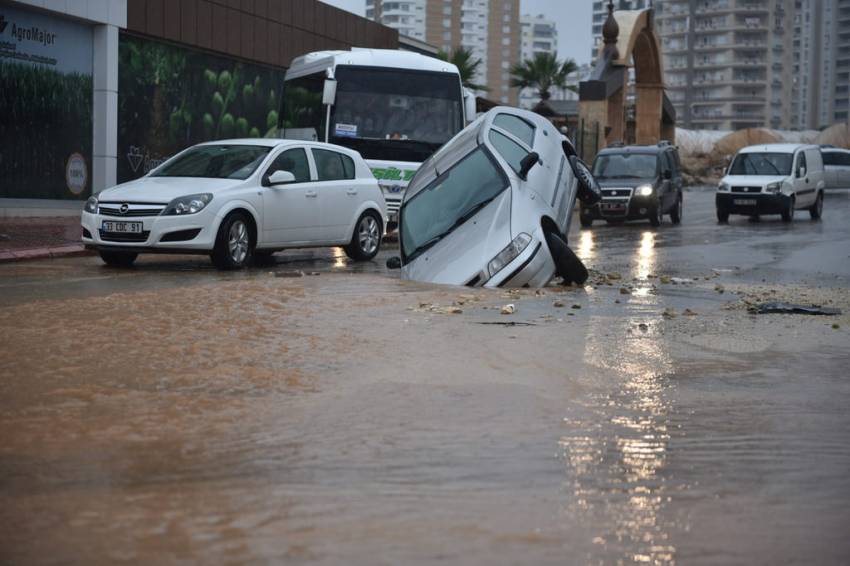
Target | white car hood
(163,189)
(753,180)
(465,253)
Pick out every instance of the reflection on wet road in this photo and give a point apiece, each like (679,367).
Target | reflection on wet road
(172,413)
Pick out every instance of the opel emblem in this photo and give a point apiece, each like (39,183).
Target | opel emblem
(124,208)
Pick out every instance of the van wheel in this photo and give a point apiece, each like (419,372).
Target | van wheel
(788,213)
(676,213)
(118,259)
(567,264)
(816,210)
(233,246)
(366,240)
(722,215)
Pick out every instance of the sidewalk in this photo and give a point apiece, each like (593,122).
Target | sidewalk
(23,238)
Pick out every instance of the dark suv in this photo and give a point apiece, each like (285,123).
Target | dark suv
(637,181)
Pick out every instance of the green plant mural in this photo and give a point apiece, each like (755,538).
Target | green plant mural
(170,98)
(45,116)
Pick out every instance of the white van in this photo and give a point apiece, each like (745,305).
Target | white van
(773,179)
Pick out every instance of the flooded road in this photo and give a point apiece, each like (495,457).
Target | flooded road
(172,413)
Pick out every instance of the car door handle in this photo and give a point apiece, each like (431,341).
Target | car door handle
(311,194)
(351,192)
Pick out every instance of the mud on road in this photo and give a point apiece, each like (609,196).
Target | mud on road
(173,413)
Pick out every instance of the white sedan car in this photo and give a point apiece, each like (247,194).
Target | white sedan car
(238,199)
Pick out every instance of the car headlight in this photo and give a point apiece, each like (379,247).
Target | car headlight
(91,205)
(774,187)
(723,187)
(508,254)
(643,190)
(187,205)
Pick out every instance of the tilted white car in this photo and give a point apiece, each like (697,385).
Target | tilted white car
(236,199)
(493,206)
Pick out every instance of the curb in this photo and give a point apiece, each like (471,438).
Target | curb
(8,256)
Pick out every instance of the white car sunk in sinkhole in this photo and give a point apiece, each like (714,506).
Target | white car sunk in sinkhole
(493,206)
(237,199)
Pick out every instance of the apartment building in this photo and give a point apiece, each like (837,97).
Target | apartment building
(728,63)
(490,29)
(821,63)
(537,35)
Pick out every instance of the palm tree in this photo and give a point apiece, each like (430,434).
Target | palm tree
(543,72)
(462,58)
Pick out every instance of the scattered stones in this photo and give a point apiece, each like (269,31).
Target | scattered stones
(836,326)
(576,306)
(689,312)
(625,291)
(669,313)
(508,309)
(643,327)
(614,275)
(617,301)
(665,279)
(719,288)
(558,304)
(289,274)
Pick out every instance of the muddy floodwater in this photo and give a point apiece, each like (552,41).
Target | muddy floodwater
(175,414)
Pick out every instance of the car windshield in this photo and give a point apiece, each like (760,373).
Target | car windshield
(215,162)
(625,166)
(761,164)
(448,201)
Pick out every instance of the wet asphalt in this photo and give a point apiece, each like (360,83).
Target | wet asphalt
(318,411)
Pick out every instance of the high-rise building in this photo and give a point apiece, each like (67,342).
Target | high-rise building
(728,63)
(488,28)
(600,12)
(538,35)
(821,63)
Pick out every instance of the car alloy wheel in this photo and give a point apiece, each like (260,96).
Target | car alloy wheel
(368,234)
(238,241)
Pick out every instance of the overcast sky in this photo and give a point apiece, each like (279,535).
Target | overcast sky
(572,17)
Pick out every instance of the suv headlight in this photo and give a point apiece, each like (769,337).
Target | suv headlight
(187,205)
(91,205)
(508,254)
(643,190)
(723,187)
(774,187)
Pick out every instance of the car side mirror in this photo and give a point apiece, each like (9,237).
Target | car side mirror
(668,174)
(281,177)
(527,163)
(394,262)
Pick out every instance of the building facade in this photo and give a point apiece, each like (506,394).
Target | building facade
(490,29)
(131,82)
(728,63)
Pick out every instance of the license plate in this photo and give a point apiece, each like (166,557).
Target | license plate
(745,201)
(122,227)
(613,206)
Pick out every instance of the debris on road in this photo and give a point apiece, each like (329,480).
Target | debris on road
(720,288)
(576,306)
(508,309)
(790,308)
(625,291)
(669,313)
(293,274)
(558,304)
(507,323)
(689,312)
(665,279)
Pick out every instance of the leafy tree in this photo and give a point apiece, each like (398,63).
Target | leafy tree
(543,72)
(466,64)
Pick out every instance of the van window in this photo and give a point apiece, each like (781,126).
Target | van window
(801,162)
(517,126)
(832,158)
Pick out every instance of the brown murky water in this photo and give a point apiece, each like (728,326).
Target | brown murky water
(168,416)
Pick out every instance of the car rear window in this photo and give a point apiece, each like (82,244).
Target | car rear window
(509,149)
(331,165)
(516,126)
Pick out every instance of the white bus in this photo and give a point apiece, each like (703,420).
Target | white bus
(394,107)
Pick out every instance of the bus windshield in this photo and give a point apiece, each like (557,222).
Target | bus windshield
(396,104)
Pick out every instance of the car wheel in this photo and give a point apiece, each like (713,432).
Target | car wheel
(567,264)
(722,215)
(788,213)
(656,215)
(676,213)
(233,247)
(816,209)
(118,259)
(366,240)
